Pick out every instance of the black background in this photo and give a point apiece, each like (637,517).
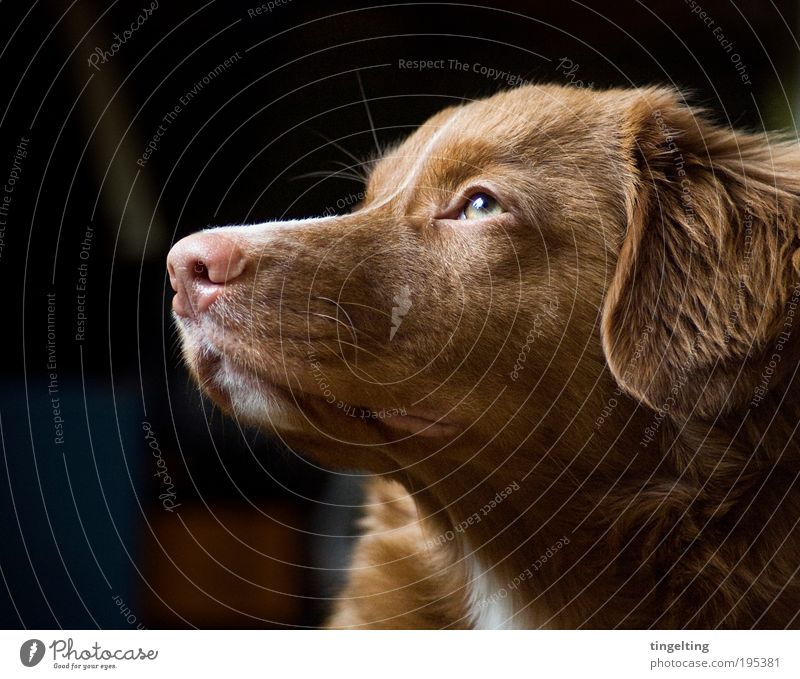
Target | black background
(85,539)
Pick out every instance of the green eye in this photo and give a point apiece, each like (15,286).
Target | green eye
(480,206)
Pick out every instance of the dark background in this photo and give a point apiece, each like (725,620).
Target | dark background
(257,535)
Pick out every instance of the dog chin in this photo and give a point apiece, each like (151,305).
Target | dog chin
(257,401)
(253,402)
(249,399)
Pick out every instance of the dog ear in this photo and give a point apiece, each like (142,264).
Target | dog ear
(709,259)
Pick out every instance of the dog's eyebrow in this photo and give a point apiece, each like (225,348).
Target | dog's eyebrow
(458,165)
(424,157)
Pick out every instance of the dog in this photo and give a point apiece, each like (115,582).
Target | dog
(560,331)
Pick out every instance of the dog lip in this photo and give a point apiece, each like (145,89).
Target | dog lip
(423,425)
(214,362)
(218,359)
(227,381)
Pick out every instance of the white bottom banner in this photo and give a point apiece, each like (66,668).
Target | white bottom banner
(352,655)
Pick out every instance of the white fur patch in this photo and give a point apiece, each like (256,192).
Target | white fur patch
(252,404)
(491,603)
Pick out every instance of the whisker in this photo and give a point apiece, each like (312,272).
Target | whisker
(347,316)
(356,170)
(338,146)
(339,321)
(371,308)
(338,306)
(369,113)
(358,348)
(349,320)
(329,174)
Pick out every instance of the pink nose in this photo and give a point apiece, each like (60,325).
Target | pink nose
(199,267)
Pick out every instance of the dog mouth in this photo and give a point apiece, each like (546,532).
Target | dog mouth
(251,398)
(292,399)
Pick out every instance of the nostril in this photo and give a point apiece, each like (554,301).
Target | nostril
(200,270)
(199,266)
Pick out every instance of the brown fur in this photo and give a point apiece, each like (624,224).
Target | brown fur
(649,259)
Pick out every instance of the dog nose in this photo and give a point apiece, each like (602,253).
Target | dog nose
(199,267)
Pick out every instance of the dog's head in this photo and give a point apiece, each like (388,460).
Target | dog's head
(512,262)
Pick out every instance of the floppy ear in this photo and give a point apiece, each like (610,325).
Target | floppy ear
(709,260)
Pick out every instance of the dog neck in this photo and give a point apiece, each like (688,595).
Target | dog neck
(523,535)
(599,531)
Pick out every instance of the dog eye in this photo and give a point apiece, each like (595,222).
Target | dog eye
(480,206)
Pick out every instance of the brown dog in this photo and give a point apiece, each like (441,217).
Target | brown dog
(561,329)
